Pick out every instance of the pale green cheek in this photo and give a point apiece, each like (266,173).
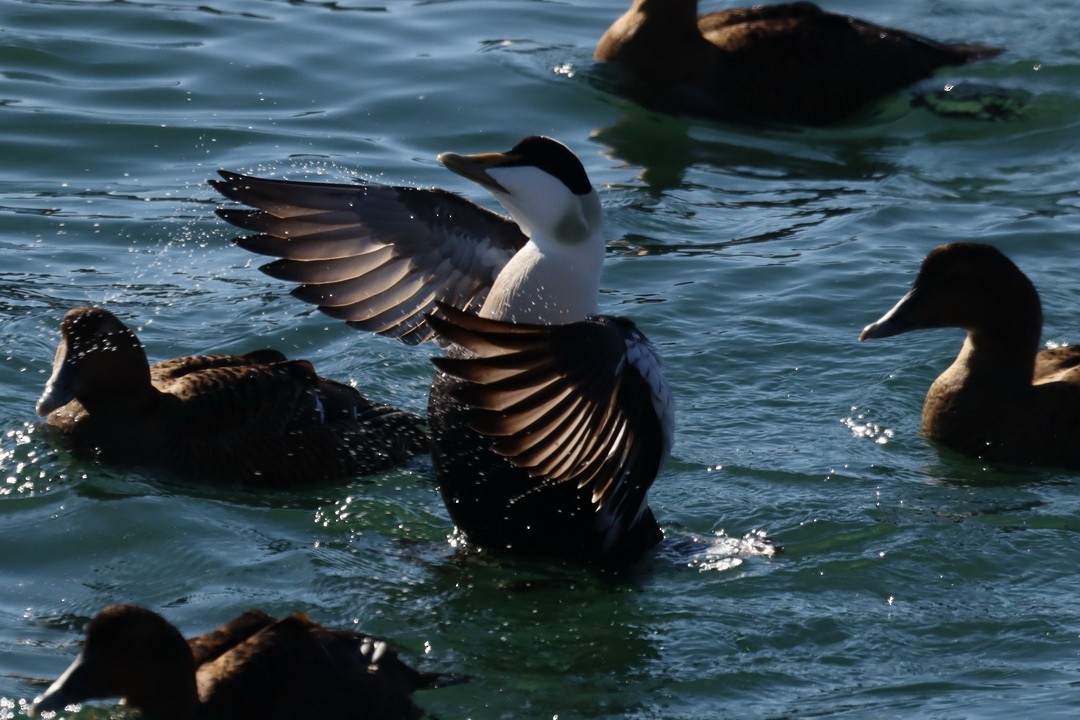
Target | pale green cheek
(575,228)
(571,229)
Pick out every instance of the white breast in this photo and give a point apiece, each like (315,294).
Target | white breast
(555,286)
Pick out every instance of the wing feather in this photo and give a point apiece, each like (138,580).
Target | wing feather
(568,403)
(377,256)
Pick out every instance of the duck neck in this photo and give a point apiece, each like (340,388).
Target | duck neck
(548,283)
(1005,362)
(173,696)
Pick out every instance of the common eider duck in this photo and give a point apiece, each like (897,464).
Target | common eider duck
(256,419)
(255,667)
(549,422)
(1003,399)
(792,63)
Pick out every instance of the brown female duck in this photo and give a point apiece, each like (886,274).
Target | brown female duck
(254,667)
(257,419)
(790,63)
(1002,399)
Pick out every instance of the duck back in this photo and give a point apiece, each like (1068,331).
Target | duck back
(256,419)
(785,63)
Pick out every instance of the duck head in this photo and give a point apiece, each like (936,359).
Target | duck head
(971,286)
(130,653)
(555,278)
(98,356)
(542,184)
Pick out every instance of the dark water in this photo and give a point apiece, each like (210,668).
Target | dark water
(915,584)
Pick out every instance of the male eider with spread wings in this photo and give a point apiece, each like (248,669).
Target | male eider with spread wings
(549,422)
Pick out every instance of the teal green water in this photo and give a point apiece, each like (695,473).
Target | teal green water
(915,584)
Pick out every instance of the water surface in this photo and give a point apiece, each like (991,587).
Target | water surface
(915,583)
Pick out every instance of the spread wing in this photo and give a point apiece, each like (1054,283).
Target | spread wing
(569,403)
(377,256)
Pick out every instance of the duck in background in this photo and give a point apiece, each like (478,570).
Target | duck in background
(792,63)
(257,420)
(549,423)
(1003,399)
(255,667)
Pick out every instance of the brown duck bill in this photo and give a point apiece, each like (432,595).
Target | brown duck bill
(70,688)
(899,319)
(58,391)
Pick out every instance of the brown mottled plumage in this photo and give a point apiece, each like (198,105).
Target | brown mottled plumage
(1002,399)
(789,63)
(255,419)
(255,667)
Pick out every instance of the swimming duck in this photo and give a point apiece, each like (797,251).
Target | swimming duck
(549,422)
(789,63)
(1002,399)
(256,419)
(255,666)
